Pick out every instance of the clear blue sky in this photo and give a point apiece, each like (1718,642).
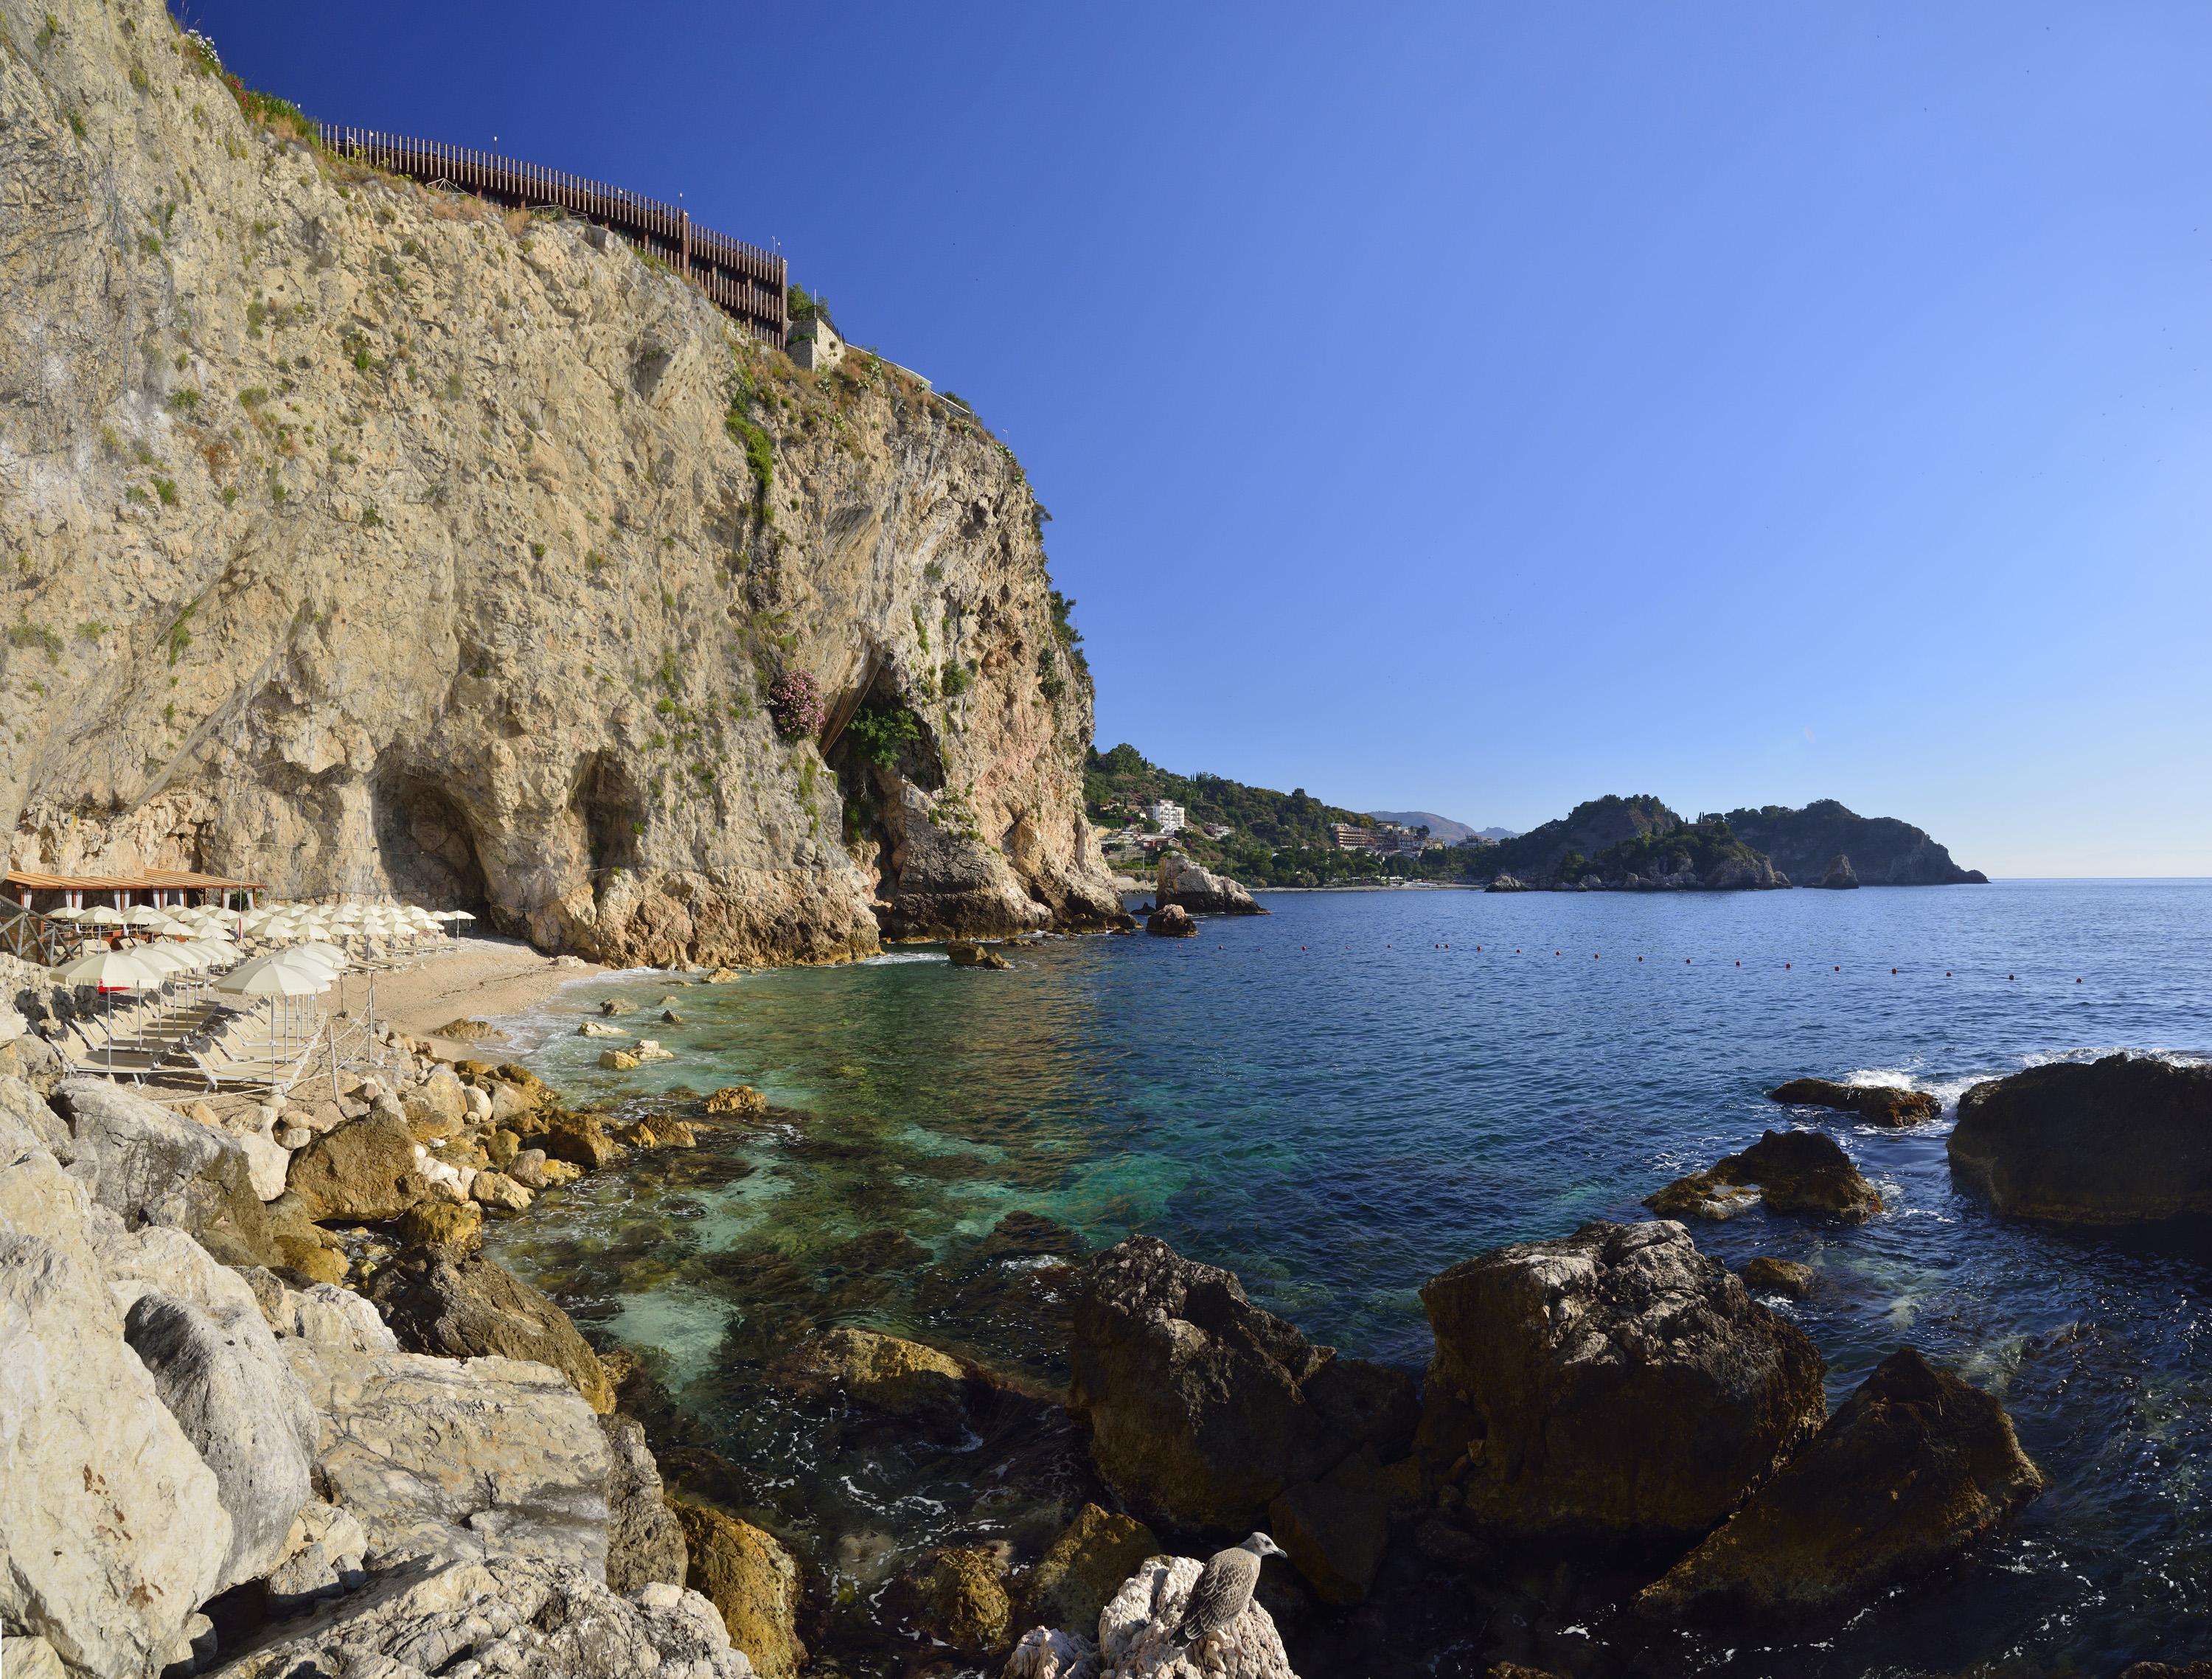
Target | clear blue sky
(1480,408)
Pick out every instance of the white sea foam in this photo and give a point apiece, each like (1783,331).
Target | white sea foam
(892,958)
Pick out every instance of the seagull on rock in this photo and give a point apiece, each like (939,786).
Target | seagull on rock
(1222,1592)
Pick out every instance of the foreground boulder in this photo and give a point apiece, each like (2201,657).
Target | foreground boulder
(2126,1139)
(478,1457)
(1138,1636)
(1203,1407)
(367,1168)
(899,1377)
(1878,1104)
(753,1584)
(1804,1172)
(1173,921)
(153,1166)
(1613,1384)
(238,1402)
(1911,1468)
(520,1618)
(465,1305)
(1184,885)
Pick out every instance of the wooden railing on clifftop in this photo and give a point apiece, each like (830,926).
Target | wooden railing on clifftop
(744,280)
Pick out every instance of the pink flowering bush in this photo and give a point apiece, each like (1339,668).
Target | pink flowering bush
(794,700)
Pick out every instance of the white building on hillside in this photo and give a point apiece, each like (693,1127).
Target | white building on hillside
(1167,816)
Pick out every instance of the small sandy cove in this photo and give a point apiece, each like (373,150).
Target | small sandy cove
(484,977)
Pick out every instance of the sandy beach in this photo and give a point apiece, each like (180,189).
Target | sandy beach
(484,977)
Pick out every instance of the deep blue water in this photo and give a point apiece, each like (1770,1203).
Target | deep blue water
(1341,1099)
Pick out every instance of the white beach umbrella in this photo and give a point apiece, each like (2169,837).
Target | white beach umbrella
(145,915)
(162,958)
(272,977)
(111,970)
(64,914)
(101,914)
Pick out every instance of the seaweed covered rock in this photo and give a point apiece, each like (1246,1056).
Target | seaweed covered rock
(464,1305)
(1911,1468)
(2125,1139)
(1084,1567)
(1804,1172)
(899,1377)
(966,954)
(956,1595)
(1203,1407)
(752,1581)
(1878,1104)
(1767,1276)
(1612,1384)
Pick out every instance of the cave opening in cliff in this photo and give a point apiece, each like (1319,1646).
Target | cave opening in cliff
(427,846)
(612,805)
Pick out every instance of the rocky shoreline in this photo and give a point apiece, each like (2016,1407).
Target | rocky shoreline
(414,1454)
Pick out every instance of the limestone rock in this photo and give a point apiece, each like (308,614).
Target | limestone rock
(528,1168)
(34,1658)
(1172,921)
(1137,1631)
(1203,1406)
(499,1192)
(965,953)
(1765,1276)
(466,1305)
(434,1456)
(442,1224)
(955,1596)
(267,1161)
(1792,1171)
(323,1557)
(1084,1567)
(648,1049)
(2125,1139)
(645,1541)
(1911,1468)
(241,1407)
(898,1378)
(1880,1105)
(741,1101)
(1613,1384)
(93,1468)
(599,1028)
(617,1005)
(328,1316)
(153,1167)
(752,1581)
(465,1031)
(1184,885)
(1839,876)
(1046,1652)
(365,1169)
(522,1618)
(619,1061)
(580,1139)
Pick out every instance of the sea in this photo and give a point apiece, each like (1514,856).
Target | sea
(1340,1099)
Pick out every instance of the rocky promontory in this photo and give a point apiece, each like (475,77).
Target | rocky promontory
(1184,885)
(364,537)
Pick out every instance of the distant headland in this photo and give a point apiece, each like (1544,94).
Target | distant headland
(1617,844)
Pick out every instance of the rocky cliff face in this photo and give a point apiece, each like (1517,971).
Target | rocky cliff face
(1881,850)
(359,537)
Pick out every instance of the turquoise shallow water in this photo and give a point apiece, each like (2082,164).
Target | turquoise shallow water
(1341,1099)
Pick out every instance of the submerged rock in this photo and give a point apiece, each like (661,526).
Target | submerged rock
(964,953)
(1878,1105)
(956,1596)
(737,1101)
(1203,1407)
(1792,1171)
(899,1377)
(1912,1467)
(1765,1276)
(1173,921)
(1613,1384)
(2125,1139)
(753,1582)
